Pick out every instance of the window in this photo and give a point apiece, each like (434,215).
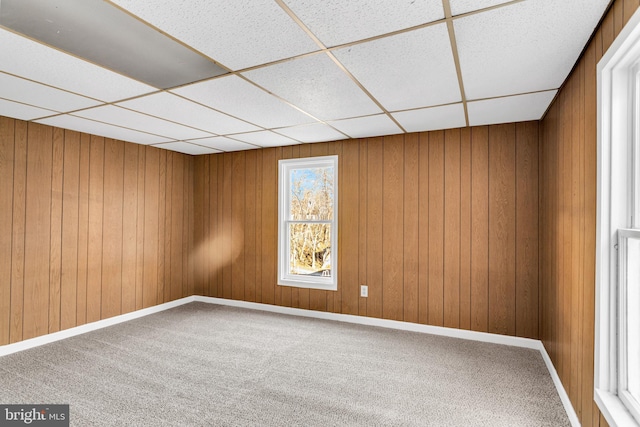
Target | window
(308,225)
(617,350)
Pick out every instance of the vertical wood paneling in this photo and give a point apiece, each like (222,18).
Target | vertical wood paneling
(112,238)
(350,214)
(568,173)
(362,223)
(269,224)
(411,230)
(129,225)
(55,243)
(164,225)
(526,236)
(70,226)
(465,228)
(7,142)
(151,192)
(250,213)
(374,245)
(502,229)
(436,228)
(479,228)
(176,280)
(423,230)
(96,207)
(238,217)
(38,229)
(81,246)
(393,227)
(140,259)
(451,294)
(83,230)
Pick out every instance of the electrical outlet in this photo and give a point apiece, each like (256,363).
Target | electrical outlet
(364,291)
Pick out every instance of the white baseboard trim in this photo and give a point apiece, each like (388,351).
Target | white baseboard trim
(360,320)
(83,329)
(414,327)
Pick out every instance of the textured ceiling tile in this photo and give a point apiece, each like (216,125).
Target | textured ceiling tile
(265,139)
(187,148)
(39,95)
(362,127)
(336,22)
(458,7)
(22,111)
(410,70)
(102,129)
(222,143)
(234,95)
(509,109)
(316,85)
(26,58)
(524,47)
(237,34)
(434,118)
(142,122)
(316,132)
(174,108)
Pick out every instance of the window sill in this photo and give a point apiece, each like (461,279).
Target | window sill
(613,410)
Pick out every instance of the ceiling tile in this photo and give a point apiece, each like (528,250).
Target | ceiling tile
(316,85)
(177,109)
(362,127)
(316,132)
(223,144)
(101,129)
(39,95)
(22,111)
(458,7)
(434,118)
(187,148)
(265,138)
(336,22)
(32,60)
(234,95)
(509,109)
(237,34)
(410,70)
(126,45)
(524,47)
(133,120)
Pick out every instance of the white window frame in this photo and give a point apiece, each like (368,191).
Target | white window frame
(618,97)
(284,202)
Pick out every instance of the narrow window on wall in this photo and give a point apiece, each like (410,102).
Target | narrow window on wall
(617,352)
(308,222)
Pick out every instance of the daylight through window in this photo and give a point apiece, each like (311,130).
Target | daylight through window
(307,251)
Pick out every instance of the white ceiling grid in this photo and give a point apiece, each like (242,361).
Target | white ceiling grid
(303,71)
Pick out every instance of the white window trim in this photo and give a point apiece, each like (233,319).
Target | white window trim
(285,279)
(616,81)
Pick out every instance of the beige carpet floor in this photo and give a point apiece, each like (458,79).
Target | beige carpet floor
(209,365)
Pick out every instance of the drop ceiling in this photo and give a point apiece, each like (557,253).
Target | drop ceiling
(211,77)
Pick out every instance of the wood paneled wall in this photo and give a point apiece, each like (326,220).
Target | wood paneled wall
(442,226)
(568,174)
(89,228)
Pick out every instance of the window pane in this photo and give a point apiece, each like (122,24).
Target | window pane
(310,249)
(633,317)
(311,194)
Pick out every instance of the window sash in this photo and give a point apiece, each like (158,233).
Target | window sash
(625,262)
(285,278)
